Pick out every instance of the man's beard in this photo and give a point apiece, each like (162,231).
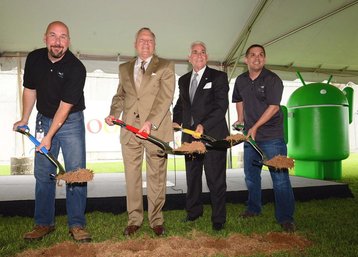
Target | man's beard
(58,54)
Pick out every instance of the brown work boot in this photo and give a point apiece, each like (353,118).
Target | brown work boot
(80,234)
(288,227)
(38,232)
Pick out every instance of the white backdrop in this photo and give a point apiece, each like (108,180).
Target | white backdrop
(102,141)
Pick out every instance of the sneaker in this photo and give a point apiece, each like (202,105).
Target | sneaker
(38,232)
(288,227)
(80,234)
(248,214)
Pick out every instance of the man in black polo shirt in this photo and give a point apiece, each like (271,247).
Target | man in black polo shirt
(257,94)
(54,79)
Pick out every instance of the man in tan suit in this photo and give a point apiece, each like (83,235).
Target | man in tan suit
(143,97)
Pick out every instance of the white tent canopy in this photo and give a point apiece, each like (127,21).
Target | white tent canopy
(318,38)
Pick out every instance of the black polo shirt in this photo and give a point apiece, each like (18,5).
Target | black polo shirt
(256,96)
(54,82)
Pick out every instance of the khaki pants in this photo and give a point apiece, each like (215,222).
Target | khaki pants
(156,177)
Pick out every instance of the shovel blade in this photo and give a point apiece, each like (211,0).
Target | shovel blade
(223,144)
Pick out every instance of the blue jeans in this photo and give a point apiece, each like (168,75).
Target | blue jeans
(71,139)
(284,198)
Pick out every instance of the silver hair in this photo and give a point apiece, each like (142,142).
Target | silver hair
(197,43)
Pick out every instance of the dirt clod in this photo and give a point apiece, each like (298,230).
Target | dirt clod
(280,162)
(193,147)
(236,137)
(78,176)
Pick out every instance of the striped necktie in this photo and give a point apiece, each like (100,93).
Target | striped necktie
(140,74)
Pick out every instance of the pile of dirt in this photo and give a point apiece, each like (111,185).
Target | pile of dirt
(280,162)
(196,246)
(193,147)
(78,176)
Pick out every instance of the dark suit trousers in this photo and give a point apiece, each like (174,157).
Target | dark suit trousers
(214,163)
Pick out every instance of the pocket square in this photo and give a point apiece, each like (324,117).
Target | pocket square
(208,85)
(154,74)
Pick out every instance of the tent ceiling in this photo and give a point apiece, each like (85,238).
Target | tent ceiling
(319,37)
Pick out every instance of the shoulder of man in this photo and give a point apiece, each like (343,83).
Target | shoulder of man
(75,61)
(268,73)
(161,61)
(37,53)
(185,76)
(216,72)
(127,64)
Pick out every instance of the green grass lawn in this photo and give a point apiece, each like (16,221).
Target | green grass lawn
(117,166)
(331,225)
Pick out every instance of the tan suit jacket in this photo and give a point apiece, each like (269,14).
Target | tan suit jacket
(153,100)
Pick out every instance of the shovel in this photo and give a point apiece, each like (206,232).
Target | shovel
(286,163)
(210,141)
(82,175)
(166,148)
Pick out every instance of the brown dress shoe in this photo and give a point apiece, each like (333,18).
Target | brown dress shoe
(130,230)
(79,234)
(159,230)
(38,232)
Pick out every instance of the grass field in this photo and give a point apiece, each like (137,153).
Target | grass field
(331,224)
(117,166)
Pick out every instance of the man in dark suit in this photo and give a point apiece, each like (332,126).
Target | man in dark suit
(202,105)
(143,98)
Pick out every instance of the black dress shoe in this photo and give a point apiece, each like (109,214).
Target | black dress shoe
(159,230)
(130,230)
(218,226)
(248,214)
(189,219)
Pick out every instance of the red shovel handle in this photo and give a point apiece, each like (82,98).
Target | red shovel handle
(130,128)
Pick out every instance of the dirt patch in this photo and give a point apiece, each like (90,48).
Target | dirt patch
(196,245)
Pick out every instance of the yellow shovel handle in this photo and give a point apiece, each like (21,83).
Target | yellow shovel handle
(192,132)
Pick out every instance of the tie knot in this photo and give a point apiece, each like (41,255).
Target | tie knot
(195,75)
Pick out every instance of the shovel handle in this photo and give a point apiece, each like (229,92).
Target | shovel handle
(240,127)
(165,146)
(26,131)
(130,128)
(192,132)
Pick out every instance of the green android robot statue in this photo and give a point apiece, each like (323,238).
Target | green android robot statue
(318,117)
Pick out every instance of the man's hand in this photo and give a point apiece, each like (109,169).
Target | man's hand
(199,129)
(109,120)
(147,127)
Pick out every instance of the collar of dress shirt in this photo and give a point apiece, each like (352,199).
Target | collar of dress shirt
(200,74)
(139,61)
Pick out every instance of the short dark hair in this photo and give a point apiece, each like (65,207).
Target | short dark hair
(252,46)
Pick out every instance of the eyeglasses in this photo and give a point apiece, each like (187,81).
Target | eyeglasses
(145,41)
